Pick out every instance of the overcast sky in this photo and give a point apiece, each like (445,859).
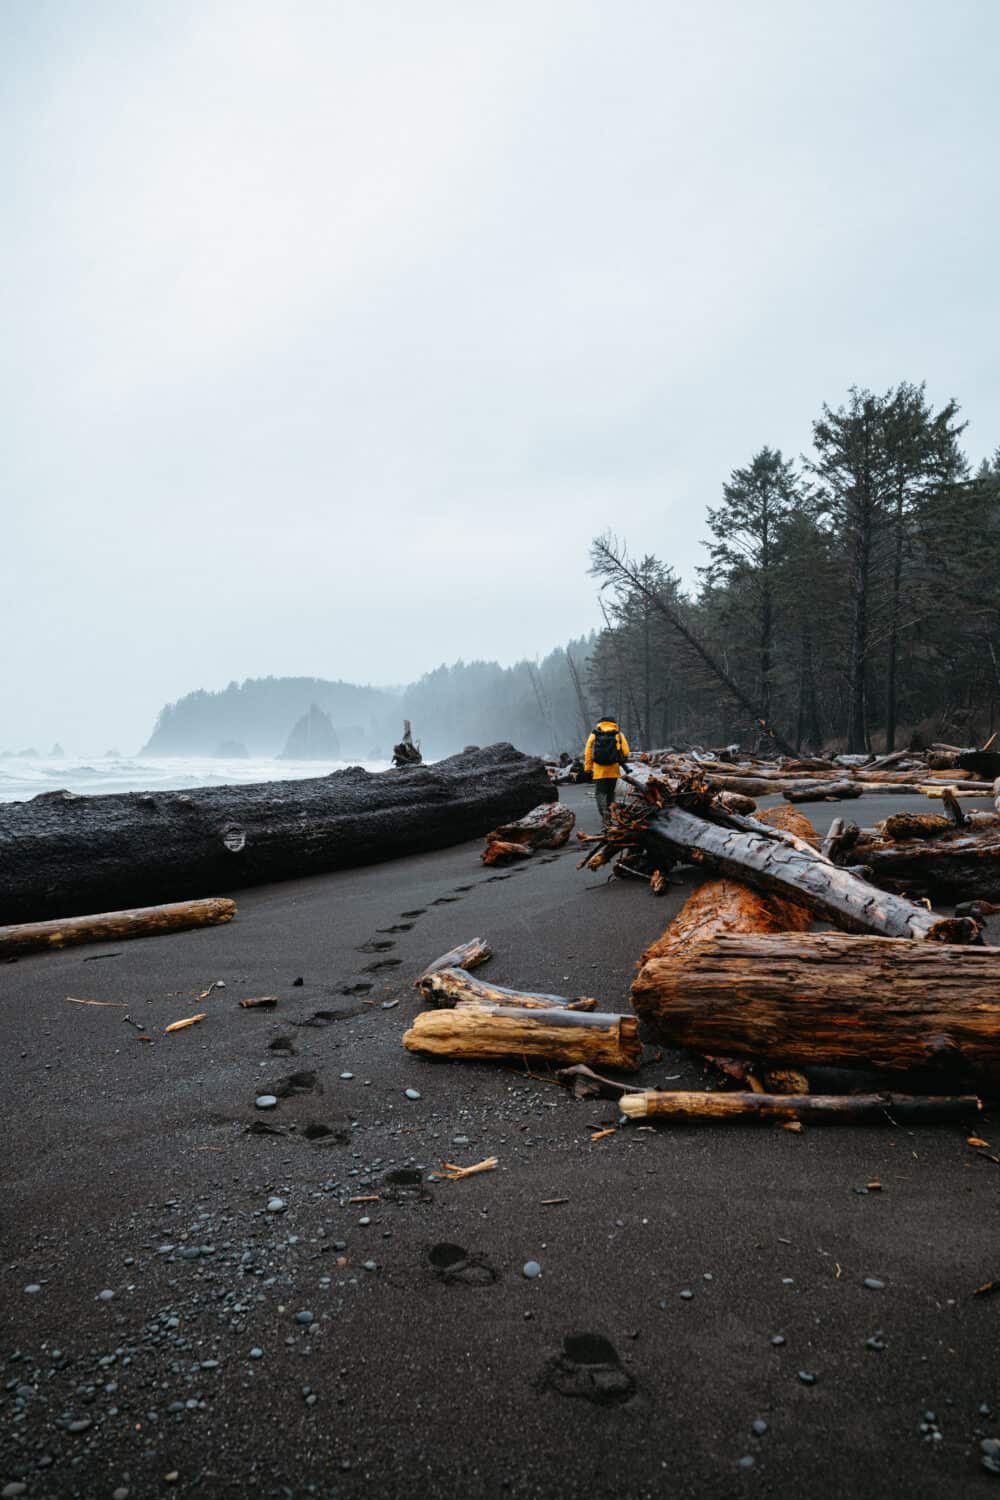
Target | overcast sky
(333,332)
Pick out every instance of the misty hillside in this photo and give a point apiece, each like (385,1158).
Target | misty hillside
(539,708)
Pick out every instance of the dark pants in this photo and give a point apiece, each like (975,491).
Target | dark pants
(604,795)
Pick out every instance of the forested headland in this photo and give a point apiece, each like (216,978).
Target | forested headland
(850,599)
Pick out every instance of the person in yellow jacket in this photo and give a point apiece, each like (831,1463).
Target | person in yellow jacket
(607,749)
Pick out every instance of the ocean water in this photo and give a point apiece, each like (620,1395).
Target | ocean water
(22,777)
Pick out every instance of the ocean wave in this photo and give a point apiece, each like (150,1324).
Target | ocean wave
(22,777)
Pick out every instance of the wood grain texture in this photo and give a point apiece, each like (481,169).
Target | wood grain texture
(560,1036)
(114,926)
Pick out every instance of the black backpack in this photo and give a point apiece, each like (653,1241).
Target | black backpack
(607,749)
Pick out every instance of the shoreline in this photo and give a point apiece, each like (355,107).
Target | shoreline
(459,1379)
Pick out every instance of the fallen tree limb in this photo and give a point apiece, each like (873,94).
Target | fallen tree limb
(61,855)
(825,998)
(816,1109)
(476,1033)
(114,926)
(446,988)
(949,864)
(586,1084)
(466,956)
(768,862)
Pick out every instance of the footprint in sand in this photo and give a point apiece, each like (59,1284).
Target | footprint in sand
(443,900)
(282,1044)
(360,988)
(398,927)
(296,1083)
(462,887)
(375,945)
(383,963)
(417,911)
(589,1367)
(457,1267)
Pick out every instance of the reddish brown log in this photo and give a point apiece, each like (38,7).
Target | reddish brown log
(115,926)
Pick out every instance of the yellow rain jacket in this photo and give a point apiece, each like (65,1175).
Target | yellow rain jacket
(601,772)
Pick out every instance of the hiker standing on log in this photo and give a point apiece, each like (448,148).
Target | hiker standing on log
(607,749)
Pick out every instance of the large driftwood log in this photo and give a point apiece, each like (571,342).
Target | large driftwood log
(114,926)
(477,1032)
(62,855)
(447,988)
(769,862)
(817,1109)
(825,998)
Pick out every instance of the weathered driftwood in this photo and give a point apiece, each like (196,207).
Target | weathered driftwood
(730,906)
(718,906)
(446,988)
(406,753)
(775,863)
(466,956)
(61,855)
(804,999)
(544,827)
(817,1109)
(114,926)
(586,1084)
(502,852)
(947,863)
(825,791)
(476,1032)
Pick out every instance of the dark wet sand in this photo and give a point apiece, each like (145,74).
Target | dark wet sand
(455,1381)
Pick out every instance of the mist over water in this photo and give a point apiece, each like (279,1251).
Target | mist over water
(22,777)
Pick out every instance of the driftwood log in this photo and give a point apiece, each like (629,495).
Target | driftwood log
(406,753)
(944,862)
(816,1109)
(114,926)
(544,827)
(479,1032)
(718,906)
(503,852)
(825,998)
(446,988)
(776,863)
(466,956)
(62,855)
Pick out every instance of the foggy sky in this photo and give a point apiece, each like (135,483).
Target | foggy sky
(334,332)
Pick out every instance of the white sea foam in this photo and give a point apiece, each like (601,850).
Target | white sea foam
(22,777)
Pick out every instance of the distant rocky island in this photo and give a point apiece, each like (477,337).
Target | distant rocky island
(539,706)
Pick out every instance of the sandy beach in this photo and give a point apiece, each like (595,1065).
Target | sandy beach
(268,1335)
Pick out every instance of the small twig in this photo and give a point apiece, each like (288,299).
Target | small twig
(367,1198)
(454,1173)
(114,1004)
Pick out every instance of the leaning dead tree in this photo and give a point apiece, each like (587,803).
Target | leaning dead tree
(611,562)
(63,855)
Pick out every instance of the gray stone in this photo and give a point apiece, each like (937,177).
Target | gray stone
(107,1295)
(413,1093)
(687,1294)
(303,1317)
(531,1269)
(256,1353)
(80,1425)
(276,1205)
(32,1288)
(747,1461)
(807,1378)
(873,1284)
(10,1491)
(760,1427)
(778,1340)
(265,1101)
(369,1265)
(121,1493)
(347,1075)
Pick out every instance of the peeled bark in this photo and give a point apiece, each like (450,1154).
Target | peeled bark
(446,988)
(62,855)
(824,998)
(816,1109)
(769,862)
(477,1033)
(114,926)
